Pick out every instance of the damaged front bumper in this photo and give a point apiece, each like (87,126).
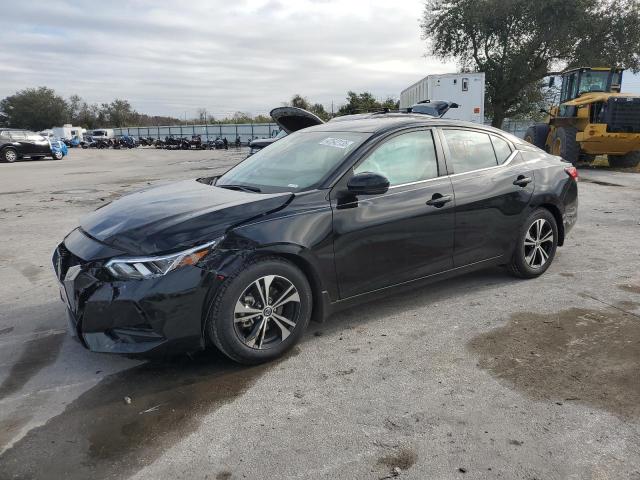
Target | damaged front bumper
(163,314)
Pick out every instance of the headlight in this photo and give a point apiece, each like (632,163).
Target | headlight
(130,268)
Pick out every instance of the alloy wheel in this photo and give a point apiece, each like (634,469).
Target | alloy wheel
(11,156)
(266,312)
(538,243)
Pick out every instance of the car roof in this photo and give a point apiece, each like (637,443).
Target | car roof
(381,122)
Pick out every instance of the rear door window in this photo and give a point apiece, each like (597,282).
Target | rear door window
(18,136)
(406,158)
(469,150)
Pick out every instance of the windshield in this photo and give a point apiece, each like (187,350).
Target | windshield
(296,163)
(593,82)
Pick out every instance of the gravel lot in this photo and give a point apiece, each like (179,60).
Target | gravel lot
(483,376)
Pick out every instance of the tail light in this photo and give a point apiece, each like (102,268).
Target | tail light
(572,172)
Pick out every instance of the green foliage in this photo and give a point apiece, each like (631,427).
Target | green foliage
(366,102)
(517,42)
(35,109)
(318,109)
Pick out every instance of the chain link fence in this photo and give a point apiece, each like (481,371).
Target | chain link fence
(251,131)
(246,131)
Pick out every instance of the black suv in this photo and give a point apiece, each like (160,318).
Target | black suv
(15,144)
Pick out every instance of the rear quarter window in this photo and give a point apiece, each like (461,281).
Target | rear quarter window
(502,149)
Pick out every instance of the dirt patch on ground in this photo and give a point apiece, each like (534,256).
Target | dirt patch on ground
(128,419)
(36,355)
(630,287)
(403,458)
(578,355)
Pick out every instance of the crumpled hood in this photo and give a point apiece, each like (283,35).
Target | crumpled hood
(176,215)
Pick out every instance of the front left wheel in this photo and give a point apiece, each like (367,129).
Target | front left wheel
(565,145)
(261,311)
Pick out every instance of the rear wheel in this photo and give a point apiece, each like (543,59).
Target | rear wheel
(9,155)
(261,311)
(631,159)
(537,135)
(587,158)
(57,155)
(565,145)
(536,245)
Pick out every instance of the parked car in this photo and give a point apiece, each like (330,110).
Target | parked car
(258,144)
(326,217)
(290,119)
(16,144)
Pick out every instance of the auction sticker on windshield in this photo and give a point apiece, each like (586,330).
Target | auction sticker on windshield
(337,142)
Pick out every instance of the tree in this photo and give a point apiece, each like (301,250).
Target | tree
(87,116)
(300,102)
(119,113)
(366,102)
(35,109)
(517,42)
(318,109)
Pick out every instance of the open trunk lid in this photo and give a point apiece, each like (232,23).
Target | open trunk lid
(292,119)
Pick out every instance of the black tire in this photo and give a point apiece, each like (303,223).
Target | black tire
(537,135)
(630,160)
(9,155)
(587,158)
(564,144)
(228,335)
(57,156)
(520,265)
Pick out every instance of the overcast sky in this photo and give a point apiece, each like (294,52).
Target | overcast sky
(172,57)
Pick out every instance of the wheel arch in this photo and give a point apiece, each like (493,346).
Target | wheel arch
(557,215)
(303,259)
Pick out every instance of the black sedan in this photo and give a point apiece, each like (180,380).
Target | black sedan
(326,217)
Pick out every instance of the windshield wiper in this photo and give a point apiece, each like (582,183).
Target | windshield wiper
(244,188)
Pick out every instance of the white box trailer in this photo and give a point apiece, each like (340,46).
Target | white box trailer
(465,89)
(68,131)
(102,133)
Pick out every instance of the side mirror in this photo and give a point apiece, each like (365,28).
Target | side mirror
(368,183)
(454,105)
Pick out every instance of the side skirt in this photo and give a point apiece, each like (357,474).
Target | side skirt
(331,308)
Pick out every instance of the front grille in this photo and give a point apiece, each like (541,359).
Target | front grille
(622,115)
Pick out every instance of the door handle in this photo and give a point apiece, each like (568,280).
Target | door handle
(522,181)
(438,200)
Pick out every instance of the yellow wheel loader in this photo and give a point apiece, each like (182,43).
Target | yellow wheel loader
(593,118)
